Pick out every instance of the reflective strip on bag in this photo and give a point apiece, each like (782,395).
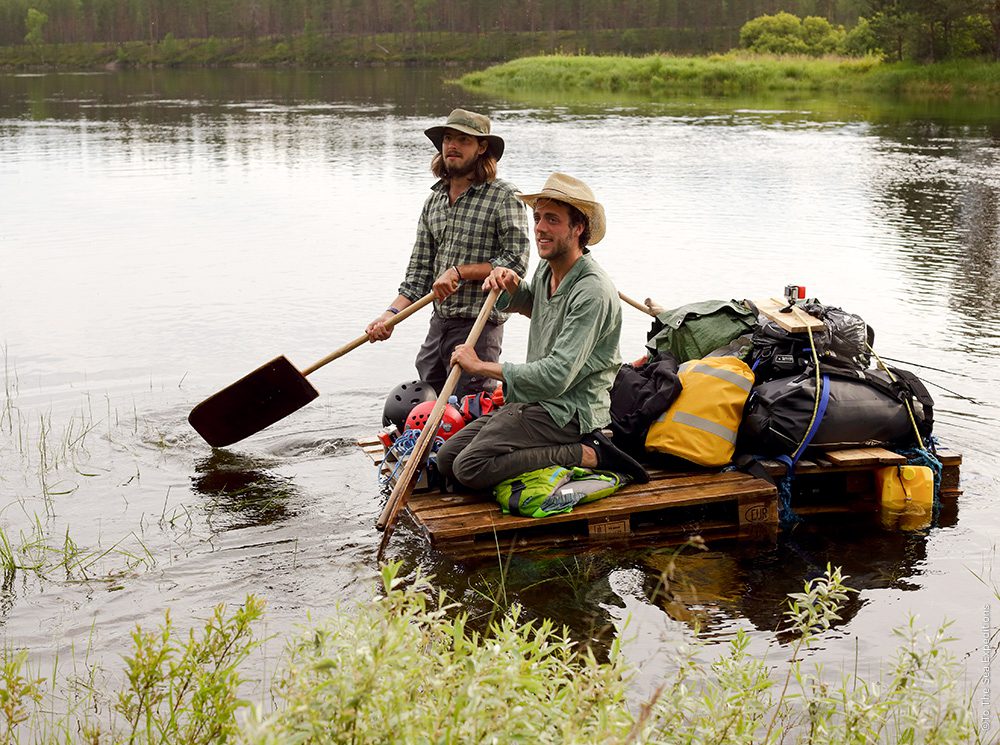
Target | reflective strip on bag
(706,425)
(727,375)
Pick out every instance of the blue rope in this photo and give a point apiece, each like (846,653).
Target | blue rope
(401,448)
(787,516)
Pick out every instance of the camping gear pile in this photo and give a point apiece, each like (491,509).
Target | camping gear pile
(722,379)
(727,385)
(724,383)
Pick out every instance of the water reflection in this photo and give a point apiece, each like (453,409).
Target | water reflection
(940,190)
(170,96)
(185,225)
(241,491)
(572,589)
(8,596)
(709,590)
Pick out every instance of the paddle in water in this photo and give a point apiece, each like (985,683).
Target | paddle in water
(403,487)
(269,393)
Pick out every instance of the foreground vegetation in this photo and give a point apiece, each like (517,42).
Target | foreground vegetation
(735,72)
(408,664)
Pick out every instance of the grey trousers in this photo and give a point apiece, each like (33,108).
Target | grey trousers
(509,441)
(433,361)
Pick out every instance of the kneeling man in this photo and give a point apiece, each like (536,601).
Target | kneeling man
(559,398)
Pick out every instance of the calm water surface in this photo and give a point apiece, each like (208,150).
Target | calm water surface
(163,233)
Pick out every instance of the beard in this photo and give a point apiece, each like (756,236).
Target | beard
(460,169)
(556,250)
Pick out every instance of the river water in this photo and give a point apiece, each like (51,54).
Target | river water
(164,232)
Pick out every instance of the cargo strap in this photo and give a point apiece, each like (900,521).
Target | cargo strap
(786,515)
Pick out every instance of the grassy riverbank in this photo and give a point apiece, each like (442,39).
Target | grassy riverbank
(733,73)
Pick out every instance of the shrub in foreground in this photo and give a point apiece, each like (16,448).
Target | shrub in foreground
(406,668)
(410,667)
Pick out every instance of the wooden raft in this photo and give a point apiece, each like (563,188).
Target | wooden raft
(672,507)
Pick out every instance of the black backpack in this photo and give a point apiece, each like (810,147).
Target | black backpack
(777,353)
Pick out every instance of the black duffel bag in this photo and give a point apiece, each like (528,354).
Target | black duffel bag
(865,408)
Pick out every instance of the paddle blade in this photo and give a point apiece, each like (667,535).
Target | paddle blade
(255,401)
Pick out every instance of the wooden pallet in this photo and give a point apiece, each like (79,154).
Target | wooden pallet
(672,507)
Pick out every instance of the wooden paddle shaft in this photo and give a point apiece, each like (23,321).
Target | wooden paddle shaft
(404,485)
(405,313)
(636,304)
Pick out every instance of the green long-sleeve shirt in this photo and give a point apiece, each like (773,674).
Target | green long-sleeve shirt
(573,339)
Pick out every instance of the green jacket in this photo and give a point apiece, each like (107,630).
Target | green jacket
(573,354)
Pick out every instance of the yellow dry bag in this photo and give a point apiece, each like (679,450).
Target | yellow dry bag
(701,424)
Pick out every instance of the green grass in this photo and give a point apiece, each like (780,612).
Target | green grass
(733,73)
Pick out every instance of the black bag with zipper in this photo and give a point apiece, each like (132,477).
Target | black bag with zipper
(639,395)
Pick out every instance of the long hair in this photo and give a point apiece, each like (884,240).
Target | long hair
(486,168)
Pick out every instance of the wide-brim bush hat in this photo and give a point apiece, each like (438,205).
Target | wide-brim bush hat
(563,188)
(471,123)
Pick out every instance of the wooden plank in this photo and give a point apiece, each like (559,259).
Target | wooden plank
(709,487)
(796,321)
(434,506)
(758,516)
(949,457)
(864,457)
(447,527)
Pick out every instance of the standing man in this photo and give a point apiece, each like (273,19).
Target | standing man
(471,224)
(558,400)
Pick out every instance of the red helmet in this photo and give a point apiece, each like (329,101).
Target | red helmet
(451,420)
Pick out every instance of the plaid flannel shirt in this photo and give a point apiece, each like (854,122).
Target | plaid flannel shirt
(485,224)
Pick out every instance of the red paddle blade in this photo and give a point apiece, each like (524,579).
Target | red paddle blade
(255,401)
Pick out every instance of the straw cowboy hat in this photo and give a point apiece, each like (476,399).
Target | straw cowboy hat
(563,188)
(470,123)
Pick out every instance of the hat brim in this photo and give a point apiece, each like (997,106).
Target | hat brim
(436,135)
(593,210)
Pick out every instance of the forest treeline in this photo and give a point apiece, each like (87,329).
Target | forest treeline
(926,30)
(151,20)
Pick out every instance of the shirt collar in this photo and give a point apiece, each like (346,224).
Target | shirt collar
(579,267)
(441,186)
